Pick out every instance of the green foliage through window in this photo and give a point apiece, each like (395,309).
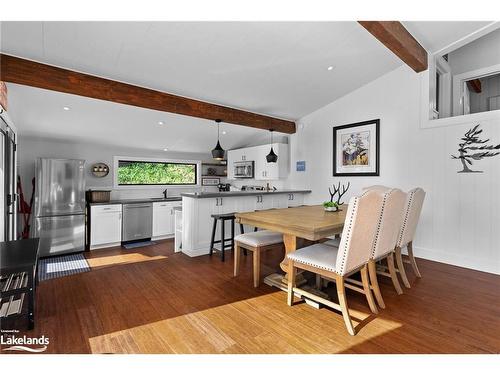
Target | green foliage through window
(155,173)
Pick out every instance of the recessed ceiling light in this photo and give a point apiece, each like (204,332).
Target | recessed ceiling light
(223,132)
(330,68)
(165,149)
(66,108)
(160,123)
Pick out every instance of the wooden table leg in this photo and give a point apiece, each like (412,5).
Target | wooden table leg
(292,243)
(277,280)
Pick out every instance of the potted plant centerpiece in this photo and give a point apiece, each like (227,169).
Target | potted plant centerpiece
(333,204)
(330,206)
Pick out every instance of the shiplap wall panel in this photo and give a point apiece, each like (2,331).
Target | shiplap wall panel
(460,221)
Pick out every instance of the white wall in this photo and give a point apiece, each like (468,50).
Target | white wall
(490,87)
(460,222)
(481,53)
(30,148)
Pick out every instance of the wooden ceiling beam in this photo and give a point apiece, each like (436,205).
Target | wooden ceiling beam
(395,37)
(475,85)
(3,95)
(31,73)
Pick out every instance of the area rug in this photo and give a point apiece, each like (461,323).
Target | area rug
(50,268)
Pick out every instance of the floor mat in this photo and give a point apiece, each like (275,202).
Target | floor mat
(138,244)
(50,268)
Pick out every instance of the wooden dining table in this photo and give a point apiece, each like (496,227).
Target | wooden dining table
(301,226)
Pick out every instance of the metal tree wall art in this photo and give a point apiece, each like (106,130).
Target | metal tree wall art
(474,148)
(340,191)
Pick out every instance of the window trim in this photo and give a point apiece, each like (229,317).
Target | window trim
(116,160)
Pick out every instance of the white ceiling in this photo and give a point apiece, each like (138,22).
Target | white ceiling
(40,113)
(435,35)
(274,68)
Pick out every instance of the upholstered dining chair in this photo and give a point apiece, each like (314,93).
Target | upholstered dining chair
(413,208)
(257,242)
(389,226)
(337,263)
(381,188)
(388,229)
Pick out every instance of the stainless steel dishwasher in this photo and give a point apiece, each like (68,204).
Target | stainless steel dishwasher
(137,221)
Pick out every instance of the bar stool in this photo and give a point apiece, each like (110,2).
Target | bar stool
(223,218)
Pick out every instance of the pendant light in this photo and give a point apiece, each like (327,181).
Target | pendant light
(271,157)
(218,151)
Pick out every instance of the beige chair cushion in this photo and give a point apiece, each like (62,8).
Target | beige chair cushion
(319,255)
(260,238)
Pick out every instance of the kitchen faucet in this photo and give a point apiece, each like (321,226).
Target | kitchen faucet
(165,193)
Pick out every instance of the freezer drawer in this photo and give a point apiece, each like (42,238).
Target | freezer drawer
(137,221)
(60,234)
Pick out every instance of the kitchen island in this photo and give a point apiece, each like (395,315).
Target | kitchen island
(197,209)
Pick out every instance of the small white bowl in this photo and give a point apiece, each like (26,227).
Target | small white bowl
(331,209)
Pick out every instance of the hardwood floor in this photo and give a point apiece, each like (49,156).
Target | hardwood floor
(150,300)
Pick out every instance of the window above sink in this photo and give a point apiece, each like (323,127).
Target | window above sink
(137,172)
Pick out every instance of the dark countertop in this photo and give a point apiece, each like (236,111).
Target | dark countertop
(145,200)
(241,193)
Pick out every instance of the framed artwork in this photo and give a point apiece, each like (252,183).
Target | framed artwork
(356,149)
(212,181)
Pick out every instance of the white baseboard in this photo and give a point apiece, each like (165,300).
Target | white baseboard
(481,264)
(196,252)
(162,237)
(105,246)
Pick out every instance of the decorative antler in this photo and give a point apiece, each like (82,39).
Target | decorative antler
(332,195)
(340,191)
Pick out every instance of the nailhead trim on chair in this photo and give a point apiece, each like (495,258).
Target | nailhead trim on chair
(379,224)
(311,264)
(407,215)
(348,237)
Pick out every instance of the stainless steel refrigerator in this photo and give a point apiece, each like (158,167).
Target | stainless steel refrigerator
(60,206)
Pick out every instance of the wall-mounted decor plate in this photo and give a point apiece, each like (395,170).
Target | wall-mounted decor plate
(99,170)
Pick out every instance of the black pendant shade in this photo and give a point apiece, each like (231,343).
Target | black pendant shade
(271,157)
(218,151)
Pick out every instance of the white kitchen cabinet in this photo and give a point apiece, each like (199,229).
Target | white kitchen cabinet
(263,170)
(280,201)
(239,155)
(163,218)
(295,199)
(197,221)
(264,202)
(105,225)
(271,171)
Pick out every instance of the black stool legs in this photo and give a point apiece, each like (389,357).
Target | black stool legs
(223,246)
(212,240)
(223,218)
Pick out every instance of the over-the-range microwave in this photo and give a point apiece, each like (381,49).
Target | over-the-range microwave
(243,169)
